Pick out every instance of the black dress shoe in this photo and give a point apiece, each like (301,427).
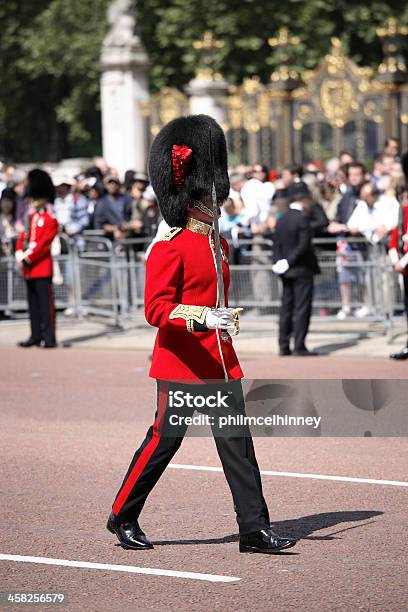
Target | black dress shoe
(129,534)
(28,343)
(305,353)
(51,345)
(264,541)
(401,355)
(284,352)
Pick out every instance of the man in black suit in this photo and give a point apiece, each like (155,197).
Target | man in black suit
(296,263)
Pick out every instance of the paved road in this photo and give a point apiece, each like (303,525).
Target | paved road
(71,419)
(355,338)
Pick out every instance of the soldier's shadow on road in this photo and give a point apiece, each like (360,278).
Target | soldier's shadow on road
(300,528)
(306,526)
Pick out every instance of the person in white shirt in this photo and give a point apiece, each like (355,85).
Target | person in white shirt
(70,207)
(256,200)
(260,172)
(374,217)
(257,207)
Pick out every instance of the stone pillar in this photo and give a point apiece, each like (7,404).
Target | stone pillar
(206,97)
(208,89)
(124,89)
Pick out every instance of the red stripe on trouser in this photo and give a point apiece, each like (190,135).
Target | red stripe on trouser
(146,454)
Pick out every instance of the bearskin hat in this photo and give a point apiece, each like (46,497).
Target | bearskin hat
(175,190)
(40,185)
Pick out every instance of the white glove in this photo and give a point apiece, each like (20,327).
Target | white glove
(219,318)
(281,266)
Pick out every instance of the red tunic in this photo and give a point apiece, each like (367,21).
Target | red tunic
(393,247)
(182,271)
(43,229)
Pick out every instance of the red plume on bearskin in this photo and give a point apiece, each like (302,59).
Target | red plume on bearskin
(180,163)
(180,167)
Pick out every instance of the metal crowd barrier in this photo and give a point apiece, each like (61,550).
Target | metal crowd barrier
(12,285)
(95,276)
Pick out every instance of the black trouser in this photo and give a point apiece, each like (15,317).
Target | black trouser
(235,449)
(41,307)
(295,311)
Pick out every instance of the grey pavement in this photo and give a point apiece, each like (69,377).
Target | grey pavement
(354,338)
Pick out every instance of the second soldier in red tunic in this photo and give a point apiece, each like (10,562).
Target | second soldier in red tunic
(33,255)
(398,252)
(193,356)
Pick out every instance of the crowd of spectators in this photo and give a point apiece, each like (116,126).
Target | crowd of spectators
(259,196)
(95,199)
(351,208)
(347,199)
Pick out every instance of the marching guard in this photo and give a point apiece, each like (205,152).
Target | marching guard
(398,252)
(33,256)
(186,293)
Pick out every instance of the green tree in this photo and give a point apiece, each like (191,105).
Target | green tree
(49,53)
(20,97)
(64,44)
(49,100)
(169,27)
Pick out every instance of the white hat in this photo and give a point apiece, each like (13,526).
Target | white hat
(62,179)
(149,193)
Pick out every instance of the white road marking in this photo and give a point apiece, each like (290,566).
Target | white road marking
(208,468)
(119,568)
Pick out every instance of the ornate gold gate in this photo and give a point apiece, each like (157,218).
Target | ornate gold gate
(337,106)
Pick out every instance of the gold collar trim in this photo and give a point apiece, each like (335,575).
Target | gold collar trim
(199,227)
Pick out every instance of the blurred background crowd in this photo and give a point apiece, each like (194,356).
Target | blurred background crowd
(343,199)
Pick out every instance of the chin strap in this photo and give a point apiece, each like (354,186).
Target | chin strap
(203,208)
(217,240)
